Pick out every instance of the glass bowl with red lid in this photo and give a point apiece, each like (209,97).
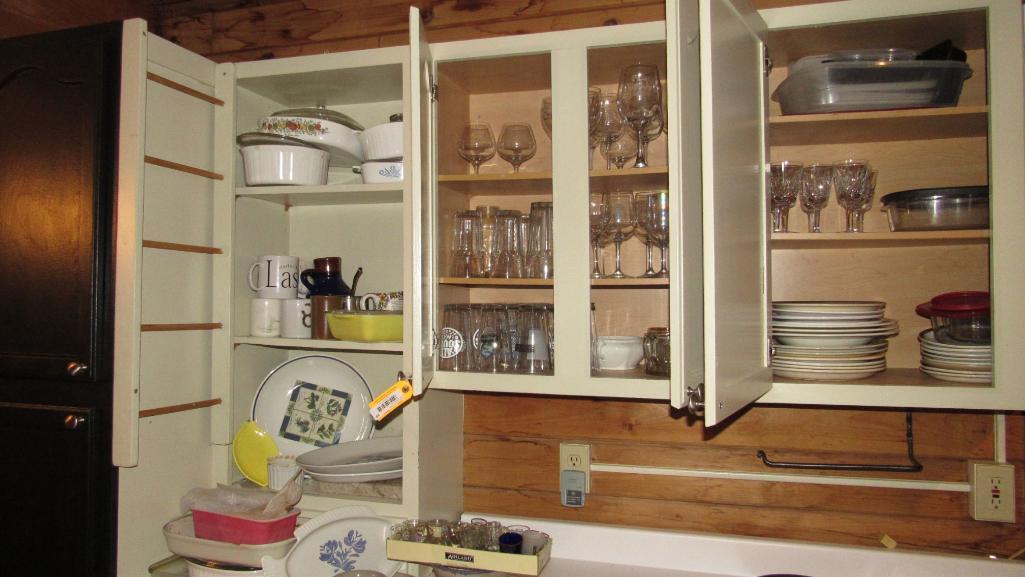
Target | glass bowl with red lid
(959,318)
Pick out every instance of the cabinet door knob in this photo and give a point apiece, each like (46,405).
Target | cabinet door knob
(73,421)
(75,369)
(696,400)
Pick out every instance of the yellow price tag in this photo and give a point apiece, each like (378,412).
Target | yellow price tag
(394,397)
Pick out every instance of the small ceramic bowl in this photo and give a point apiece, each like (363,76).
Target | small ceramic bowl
(383,142)
(380,172)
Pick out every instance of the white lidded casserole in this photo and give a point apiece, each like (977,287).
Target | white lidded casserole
(272,159)
(335,131)
(384,141)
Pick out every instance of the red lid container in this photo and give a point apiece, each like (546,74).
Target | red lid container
(956,305)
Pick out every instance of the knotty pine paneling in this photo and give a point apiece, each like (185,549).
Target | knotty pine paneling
(511,455)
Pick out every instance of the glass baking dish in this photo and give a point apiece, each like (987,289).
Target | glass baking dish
(962,207)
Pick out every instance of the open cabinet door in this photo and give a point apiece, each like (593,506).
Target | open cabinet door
(733,204)
(421,205)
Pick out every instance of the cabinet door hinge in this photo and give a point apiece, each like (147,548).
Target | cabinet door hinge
(767,63)
(434,92)
(434,340)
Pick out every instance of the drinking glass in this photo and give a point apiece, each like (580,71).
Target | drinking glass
(593,110)
(644,204)
(546,115)
(487,341)
(658,228)
(509,334)
(540,260)
(466,245)
(621,223)
(516,144)
(856,222)
(849,179)
(455,344)
(816,180)
(507,262)
(640,99)
(488,219)
(476,144)
(533,341)
(599,223)
(620,151)
(784,181)
(610,124)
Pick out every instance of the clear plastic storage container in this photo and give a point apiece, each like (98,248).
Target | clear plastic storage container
(869,80)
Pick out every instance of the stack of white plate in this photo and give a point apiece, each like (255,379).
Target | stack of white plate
(830,340)
(955,362)
(374,459)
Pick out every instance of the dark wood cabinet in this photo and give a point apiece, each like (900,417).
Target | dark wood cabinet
(58,149)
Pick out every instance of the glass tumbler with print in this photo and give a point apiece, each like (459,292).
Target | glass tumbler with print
(507,262)
(455,344)
(467,244)
(784,182)
(540,260)
(533,341)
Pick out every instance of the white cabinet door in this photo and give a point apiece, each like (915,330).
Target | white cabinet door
(736,367)
(420,216)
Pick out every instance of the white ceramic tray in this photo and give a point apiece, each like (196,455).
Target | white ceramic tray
(181,540)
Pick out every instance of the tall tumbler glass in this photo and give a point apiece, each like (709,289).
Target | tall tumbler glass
(509,337)
(816,180)
(540,260)
(784,182)
(455,344)
(532,345)
(488,218)
(507,262)
(487,341)
(524,236)
(467,242)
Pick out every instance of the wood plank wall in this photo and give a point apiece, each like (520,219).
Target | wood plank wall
(511,442)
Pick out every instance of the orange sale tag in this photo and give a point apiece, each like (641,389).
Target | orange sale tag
(394,397)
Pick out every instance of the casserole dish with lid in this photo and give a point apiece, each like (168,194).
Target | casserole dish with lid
(271,159)
(335,131)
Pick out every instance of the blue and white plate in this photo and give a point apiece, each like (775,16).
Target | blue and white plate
(343,539)
(313,401)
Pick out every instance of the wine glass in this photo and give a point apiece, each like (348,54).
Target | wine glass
(516,144)
(816,180)
(784,182)
(476,144)
(599,218)
(640,100)
(622,221)
(593,110)
(620,151)
(609,124)
(658,228)
(546,115)
(643,203)
(849,178)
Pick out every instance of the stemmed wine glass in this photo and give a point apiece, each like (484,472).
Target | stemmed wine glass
(784,182)
(640,99)
(643,204)
(546,115)
(658,227)
(609,125)
(621,223)
(593,110)
(850,178)
(476,144)
(516,144)
(599,224)
(620,151)
(816,180)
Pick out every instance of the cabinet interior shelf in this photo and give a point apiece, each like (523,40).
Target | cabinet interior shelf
(635,373)
(879,125)
(540,282)
(321,344)
(326,195)
(541,182)
(926,237)
(629,282)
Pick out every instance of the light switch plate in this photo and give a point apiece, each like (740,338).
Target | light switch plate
(992,493)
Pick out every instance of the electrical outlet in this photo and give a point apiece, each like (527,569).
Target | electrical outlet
(576,457)
(992,494)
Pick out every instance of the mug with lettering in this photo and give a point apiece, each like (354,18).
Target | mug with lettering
(619,353)
(296,318)
(381,301)
(265,317)
(277,277)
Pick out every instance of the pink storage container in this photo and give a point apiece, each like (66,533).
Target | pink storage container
(242,531)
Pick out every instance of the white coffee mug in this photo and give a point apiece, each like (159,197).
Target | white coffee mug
(617,353)
(277,277)
(295,318)
(265,317)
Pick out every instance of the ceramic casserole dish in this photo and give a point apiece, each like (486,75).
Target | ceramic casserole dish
(272,159)
(335,131)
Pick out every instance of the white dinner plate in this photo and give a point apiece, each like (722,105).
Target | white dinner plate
(828,306)
(340,540)
(313,401)
(955,366)
(357,477)
(367,456)
(802,316)
(958,376)
(809,375)
(928,341)
(825,341)
(840,356)
(828,365)
(855,350)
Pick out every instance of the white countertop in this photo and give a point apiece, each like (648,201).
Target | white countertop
(581,549)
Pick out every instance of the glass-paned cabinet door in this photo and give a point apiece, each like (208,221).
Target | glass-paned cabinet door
(494,218)
(629,204)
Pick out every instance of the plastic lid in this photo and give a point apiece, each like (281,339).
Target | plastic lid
(973,192)
(254,138)
(872,55)
(960,304)
(323,114)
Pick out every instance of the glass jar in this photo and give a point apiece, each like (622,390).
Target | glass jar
(656,351)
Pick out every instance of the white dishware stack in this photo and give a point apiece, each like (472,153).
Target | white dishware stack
(830,340)
(382,152)
(962,363)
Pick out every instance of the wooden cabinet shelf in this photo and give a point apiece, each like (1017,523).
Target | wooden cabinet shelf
(630,282)
(874,239)
(879,125)
(326,195)
(496,282)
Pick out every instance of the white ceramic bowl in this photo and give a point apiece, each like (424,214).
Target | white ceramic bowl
(381,172)
(272,159)
(333,130)
(383,142)
(199,568)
